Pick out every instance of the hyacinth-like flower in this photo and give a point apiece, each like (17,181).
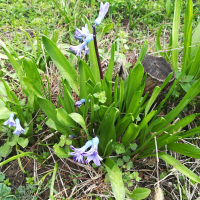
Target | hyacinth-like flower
(92,154)
(78,152)
(18,128)
(79,103)
(86,50)
(10,121)
(102,13)
(81,34)
(79,48)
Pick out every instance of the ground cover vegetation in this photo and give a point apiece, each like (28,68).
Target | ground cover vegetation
(77,120)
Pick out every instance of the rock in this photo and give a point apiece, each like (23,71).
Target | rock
(157,69)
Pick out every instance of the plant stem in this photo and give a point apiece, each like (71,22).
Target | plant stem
(97,52)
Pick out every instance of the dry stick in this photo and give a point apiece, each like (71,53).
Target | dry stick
(97,52)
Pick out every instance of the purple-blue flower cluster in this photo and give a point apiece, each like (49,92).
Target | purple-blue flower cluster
(92,154)
(102,13)
(15,123)
(79,103)
(84,34)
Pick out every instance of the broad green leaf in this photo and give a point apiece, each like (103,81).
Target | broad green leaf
(32,72)
(82,81)
(7,89)
(107,134)
(130,134)
(48,108)
(61,152)
(194,69)
(23,142)
(52,122)
(175,31)
(158,45)
(58,127)
(139,193)
(31,86)
(180,167)
(142,52)
(195,41)
(193,92)
(18,108)
(115,176)
(63,65)
(92,56)
(185,149)
(134,81)
(154,95)
(78,119)
(4,113)
(68,100)
(88,72)
(187,33)
(109,70)
(123,124)
(15,65)
(30,42)
(64,118)
(5,149)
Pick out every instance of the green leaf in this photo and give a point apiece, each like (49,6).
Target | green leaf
(115,177)
(194,90)
(185,149)
(195,41)
(4,191)
(78,119)
(82,81)
(15,65)
(123,124)
(139,193)
(32,72)
(107,133)
(180,167)
(23,142)
(142,52)
(63,65)
(64,118)
(92,56)
(154,95)
(5,149)
(130,134)
(158,45)
(175,30)
(61,152)
(187,33)
(31,86)
(109,70)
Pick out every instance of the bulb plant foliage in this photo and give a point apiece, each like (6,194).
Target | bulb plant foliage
(105,112)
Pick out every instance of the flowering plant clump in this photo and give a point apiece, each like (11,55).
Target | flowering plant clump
(92,154)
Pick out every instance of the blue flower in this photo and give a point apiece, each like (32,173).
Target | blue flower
(92,154)
(78,152)
(18,129)
(102,13)
(79,103)
(81,34)
(10,121)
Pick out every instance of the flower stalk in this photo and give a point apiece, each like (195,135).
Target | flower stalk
(97,52)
